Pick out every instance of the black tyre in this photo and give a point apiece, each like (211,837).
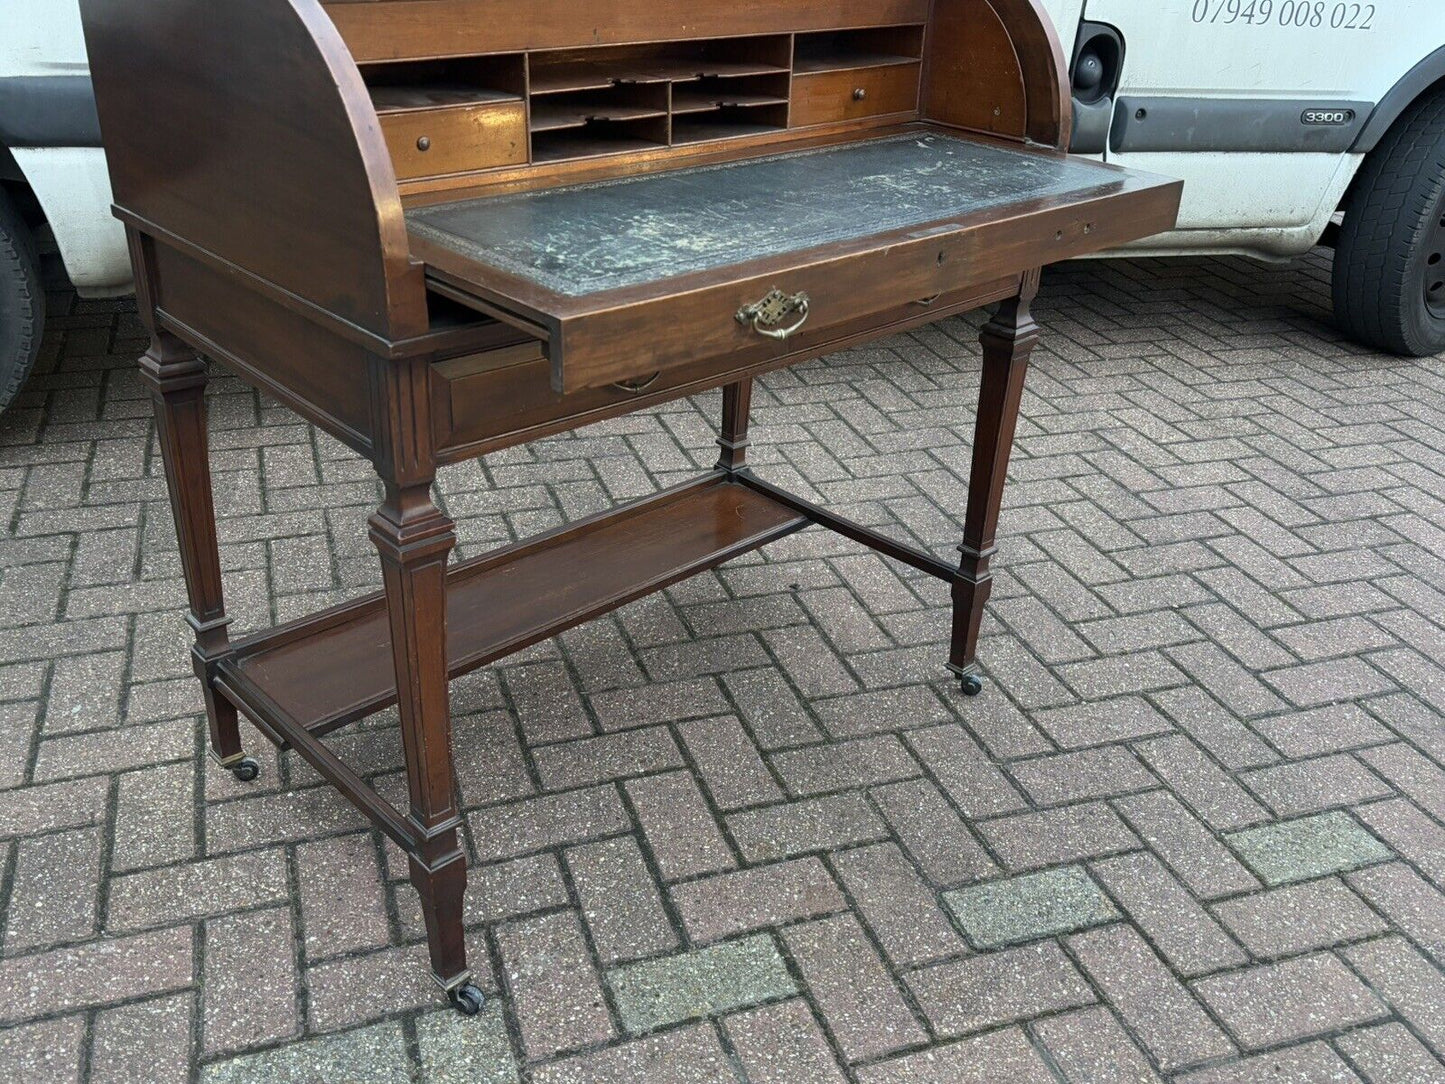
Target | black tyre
(22,301)
(1389,276)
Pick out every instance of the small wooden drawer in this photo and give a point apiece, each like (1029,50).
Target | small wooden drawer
(827,97)
(456,139)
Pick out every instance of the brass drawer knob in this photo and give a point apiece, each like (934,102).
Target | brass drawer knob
(424,143)
(860,93)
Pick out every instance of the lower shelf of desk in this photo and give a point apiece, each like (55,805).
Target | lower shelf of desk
(335,667)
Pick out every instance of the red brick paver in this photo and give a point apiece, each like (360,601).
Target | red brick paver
(729,833)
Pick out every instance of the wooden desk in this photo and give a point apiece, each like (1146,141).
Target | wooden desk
(437,228)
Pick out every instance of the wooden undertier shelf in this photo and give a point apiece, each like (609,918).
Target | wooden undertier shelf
(335,667)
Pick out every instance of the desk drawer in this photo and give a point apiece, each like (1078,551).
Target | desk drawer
(624,279)
(455,139)
(824,97)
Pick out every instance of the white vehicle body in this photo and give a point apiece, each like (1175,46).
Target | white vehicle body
(1270,58)
(1253,184)
(48,144)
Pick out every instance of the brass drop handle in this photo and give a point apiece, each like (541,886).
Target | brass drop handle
(765,315)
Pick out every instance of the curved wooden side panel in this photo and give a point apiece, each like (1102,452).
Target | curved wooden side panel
(244,129)
(997,66)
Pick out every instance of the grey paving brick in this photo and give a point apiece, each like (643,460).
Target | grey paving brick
(1277,1003)
(376,1054)
(554,990)
(1034,905)
(702,982)
(1033,840)
(998,988)
(730,903)
(46,1051)
(999,1055)
(1090,1047)
(899,909)
(1296,918)
(816,824)
(689,1055)
(1309,847)
(1216,728)
(1309,1063)
(143,1042)
(620,900)
(1407,983)
(855,994)
(1182,931)
(782,1044)
(1158,1010)
(1391,1055)
(456,1049)
(678,827)
(933,832)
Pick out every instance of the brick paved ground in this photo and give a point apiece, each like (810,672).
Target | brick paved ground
(747,831)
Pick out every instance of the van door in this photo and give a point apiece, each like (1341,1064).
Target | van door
(1255,104)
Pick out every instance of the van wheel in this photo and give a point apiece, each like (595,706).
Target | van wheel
(1389,276)
(22,301)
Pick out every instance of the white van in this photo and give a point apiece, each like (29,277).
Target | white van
(53,179)
(1278,114)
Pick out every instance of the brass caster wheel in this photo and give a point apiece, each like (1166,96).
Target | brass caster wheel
(971,684)
(467,999)
(246,769)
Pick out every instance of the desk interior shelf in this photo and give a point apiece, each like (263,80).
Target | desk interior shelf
(335,667)
(585,103)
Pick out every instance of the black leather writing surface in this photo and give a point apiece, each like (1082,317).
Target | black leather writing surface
(584,239)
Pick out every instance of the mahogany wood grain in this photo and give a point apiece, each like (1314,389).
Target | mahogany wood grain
(826,97)
(332,669)
(251,164)
(176,379)
(200,105)
(410,29)
(1008,339)
(455,139)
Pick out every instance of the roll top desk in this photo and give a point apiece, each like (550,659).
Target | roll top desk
(439,228)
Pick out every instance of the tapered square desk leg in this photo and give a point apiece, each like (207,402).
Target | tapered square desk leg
(733,434)
(414,539)
(1008,339)
(176,377)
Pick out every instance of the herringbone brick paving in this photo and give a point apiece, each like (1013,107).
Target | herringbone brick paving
(746,830)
